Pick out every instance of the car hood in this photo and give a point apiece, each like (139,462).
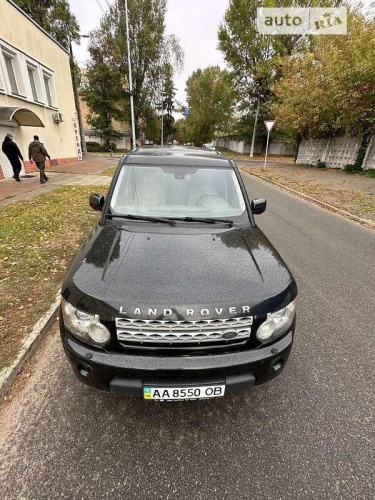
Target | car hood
(120,271)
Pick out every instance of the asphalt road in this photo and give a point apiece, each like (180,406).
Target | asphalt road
(309,434)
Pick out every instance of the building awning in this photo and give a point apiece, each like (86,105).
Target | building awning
(23,116)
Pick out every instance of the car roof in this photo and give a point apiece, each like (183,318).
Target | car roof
(174,149)
(176,155)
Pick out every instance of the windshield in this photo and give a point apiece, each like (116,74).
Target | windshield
(178,191)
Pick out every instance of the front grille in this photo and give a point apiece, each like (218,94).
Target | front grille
(180,333)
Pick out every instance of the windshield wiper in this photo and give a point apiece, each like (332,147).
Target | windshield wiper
(208,220)
(142,217)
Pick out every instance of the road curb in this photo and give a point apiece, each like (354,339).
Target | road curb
(364,222)
(30,345)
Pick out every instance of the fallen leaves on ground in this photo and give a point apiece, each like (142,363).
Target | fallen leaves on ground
(38,240)
(352,200)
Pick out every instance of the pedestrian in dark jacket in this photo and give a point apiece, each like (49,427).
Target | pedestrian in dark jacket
(12,152)
(38,153)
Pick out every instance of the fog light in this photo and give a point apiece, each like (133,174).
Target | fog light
(276,365)
(85,370)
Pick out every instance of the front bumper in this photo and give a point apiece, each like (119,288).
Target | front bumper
(126,374)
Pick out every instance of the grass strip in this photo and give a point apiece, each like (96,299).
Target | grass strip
(38,240)
(367,173)
(109,171)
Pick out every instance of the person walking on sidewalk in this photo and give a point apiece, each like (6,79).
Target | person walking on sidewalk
(38,153)
(12,152)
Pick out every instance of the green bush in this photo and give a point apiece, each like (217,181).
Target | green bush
(321,164)
(353,167)
(368,173)
(357,165)
(95,147)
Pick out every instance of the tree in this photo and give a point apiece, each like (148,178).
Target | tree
(152,125)
(151,52)
(179,134)
(211,100)
(101,95)
(250,55)
(330,89)
(255,59)
(168,104)
(55,17)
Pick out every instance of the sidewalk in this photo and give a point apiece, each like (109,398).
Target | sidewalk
(74,173)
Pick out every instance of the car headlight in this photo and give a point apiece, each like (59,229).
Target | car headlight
(277,323)
(85,326)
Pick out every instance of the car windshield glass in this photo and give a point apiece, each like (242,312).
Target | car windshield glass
(179,191)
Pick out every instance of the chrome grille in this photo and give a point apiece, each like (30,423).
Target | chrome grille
(149,331)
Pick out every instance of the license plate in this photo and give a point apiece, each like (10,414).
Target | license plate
(181,393)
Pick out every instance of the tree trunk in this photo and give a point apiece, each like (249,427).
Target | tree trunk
(255,129)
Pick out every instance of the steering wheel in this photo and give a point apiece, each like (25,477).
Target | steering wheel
(201,198)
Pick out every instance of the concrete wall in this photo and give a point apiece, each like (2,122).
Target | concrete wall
(31,45)
(274,148)
(335,151)
(370,159)
(121,143)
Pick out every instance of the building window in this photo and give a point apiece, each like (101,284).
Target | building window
(48,89)
(11,75)
(32,83)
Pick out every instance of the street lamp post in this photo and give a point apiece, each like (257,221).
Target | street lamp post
(162,123)
(76,96)
(130,75)
(163,95)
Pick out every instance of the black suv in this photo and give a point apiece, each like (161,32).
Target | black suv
(177,294)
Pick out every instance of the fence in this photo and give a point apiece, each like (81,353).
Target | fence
(336,152)
(274,148)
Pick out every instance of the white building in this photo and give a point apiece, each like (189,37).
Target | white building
(36,92)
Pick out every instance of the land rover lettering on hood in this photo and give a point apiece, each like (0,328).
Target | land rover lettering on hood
(176,293)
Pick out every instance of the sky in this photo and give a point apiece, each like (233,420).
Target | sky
(194,22)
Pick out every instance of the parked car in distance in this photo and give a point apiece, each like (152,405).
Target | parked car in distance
(209,145)
(176,293)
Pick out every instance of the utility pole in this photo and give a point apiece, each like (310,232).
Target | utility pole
(130,76)
(163,95)
(162,123)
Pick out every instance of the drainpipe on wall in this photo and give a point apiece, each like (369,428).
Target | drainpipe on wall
(76,98)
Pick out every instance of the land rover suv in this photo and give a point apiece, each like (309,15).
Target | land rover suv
(177,294)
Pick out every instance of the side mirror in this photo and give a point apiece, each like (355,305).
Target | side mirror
(96,201)
(258,206)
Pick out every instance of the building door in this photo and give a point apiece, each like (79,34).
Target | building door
(4,162)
